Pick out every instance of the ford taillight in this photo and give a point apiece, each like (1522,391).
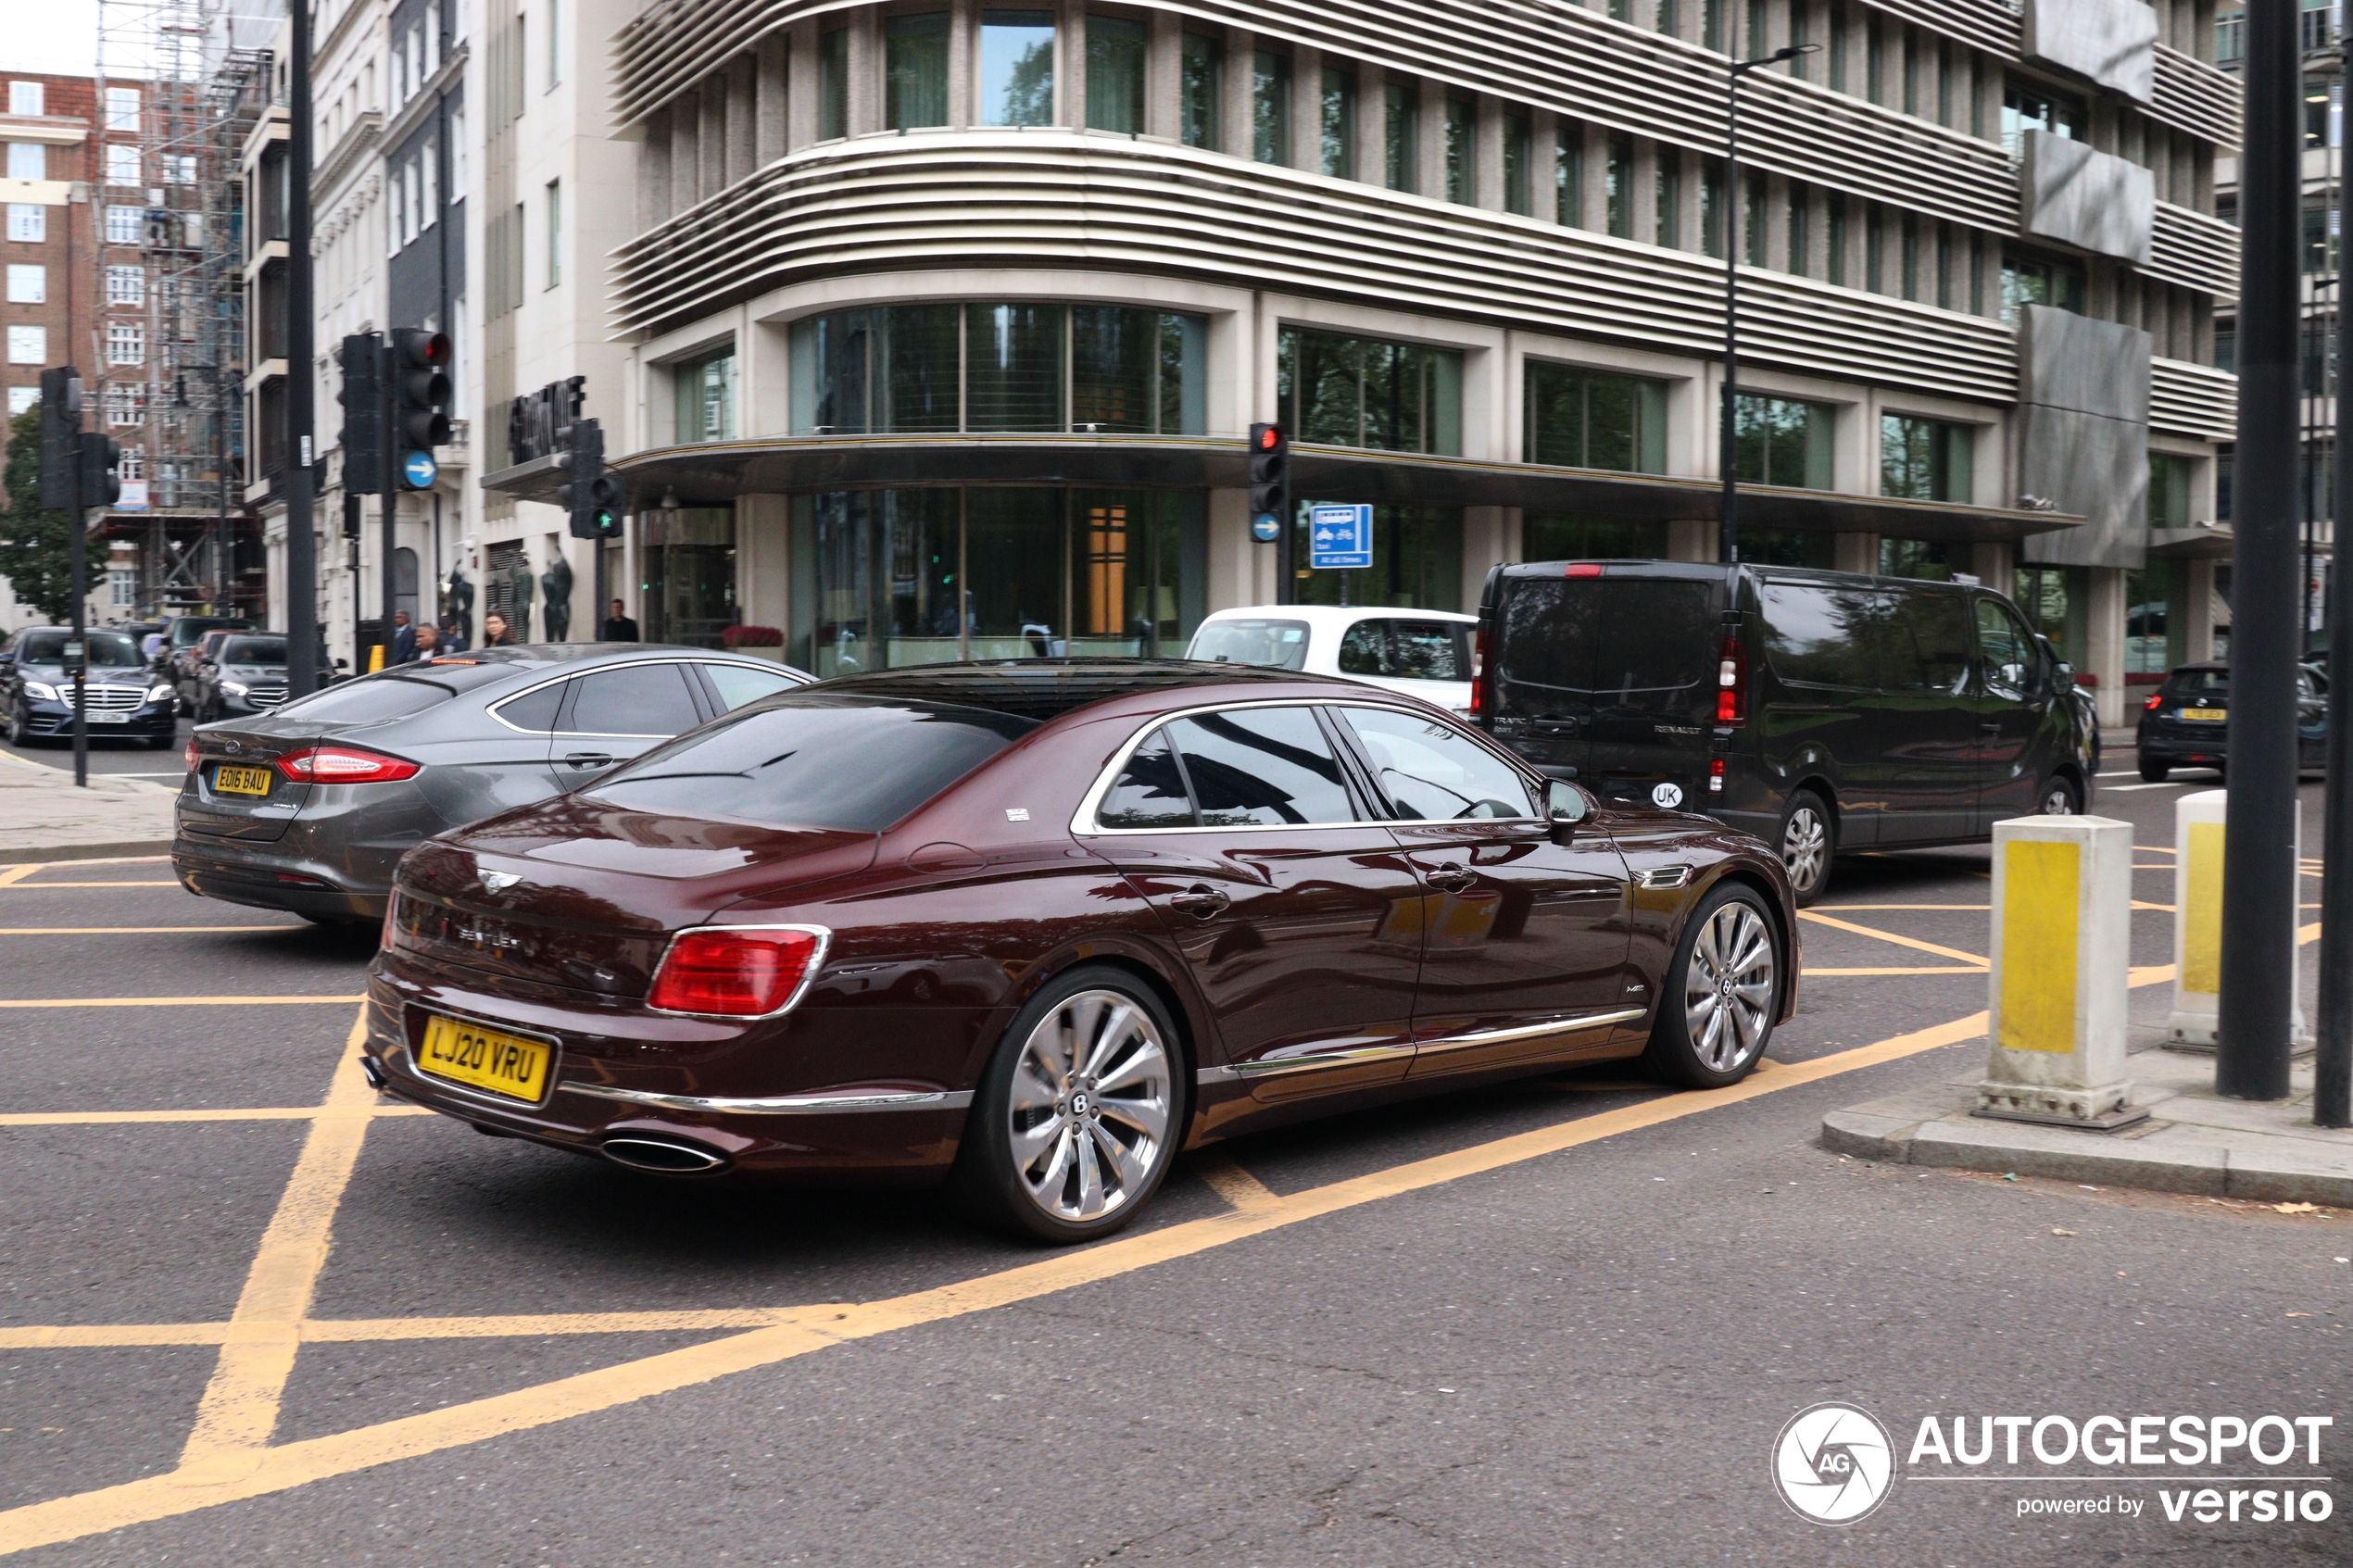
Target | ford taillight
(192,757)
(2156,701)
(743,972)
(344,764)
(1731,680)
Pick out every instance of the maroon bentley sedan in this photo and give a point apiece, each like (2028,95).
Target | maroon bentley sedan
(1036,928)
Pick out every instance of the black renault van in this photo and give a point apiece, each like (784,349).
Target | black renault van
(1823,711)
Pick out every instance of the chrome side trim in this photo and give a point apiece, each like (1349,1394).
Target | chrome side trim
(1662,878)
(1531,1031)
(783,1105)
(1216,1075)
(1264,1068)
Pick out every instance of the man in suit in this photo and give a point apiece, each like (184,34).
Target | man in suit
(404,638)
(619,627)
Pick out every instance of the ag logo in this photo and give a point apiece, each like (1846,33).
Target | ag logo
(1832,1464)
(1666,795)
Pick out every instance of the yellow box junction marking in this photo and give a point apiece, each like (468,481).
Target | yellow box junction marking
(2040,907)
(1912,942)
(2202,928)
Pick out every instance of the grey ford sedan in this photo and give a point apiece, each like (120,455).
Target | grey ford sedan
(308,808)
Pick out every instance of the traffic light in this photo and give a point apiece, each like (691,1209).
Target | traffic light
(589,493)
(362,397)
(101,470)
(61,439)
(419,403)
(1270,479)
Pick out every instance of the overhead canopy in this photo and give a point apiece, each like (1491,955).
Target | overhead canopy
(713,473)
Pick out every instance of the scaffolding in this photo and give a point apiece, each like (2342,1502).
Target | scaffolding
(179,81)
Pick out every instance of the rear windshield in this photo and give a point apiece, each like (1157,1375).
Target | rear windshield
(108,650)
(253,650)
(2205,682)
(372,699)
(805,761)
(1279,644)
(1622,636)
(1409,651)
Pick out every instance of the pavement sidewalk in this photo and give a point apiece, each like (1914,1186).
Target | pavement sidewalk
(2195,1141)
(44,816)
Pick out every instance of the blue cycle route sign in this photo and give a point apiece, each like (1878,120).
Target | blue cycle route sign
(1339,537)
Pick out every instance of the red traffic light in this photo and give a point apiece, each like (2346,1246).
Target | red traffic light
(1266,438)
(421,350)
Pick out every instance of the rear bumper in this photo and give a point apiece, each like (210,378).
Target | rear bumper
(898,1134)
(268,882)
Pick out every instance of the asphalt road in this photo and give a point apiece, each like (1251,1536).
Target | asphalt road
(1559,1322)
(111,754)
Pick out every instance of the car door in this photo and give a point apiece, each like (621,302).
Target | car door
(2311,720)
(1819,717)
(1925,716)
(1524,937)
(1296,913)
(615,713)
(2013,698)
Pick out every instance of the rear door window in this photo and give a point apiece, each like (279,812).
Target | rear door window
(1545,635)
(1658,638)
(1262,766)
(1150,791)
(1280,645)
(1432,772)
(1818,636)
(735,685)
(1406,650)
(535,711)
(636,700)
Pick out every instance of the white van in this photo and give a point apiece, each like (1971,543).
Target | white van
(1425,652)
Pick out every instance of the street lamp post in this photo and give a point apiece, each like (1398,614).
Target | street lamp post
(1728,534)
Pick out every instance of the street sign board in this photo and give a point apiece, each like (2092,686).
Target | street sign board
(1265,529)
(1339,537)
(417,469)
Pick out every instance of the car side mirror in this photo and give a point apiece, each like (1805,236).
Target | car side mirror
(343,664)
(1565,807)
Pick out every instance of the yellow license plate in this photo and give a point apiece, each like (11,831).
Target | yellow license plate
(241,780)
(2206,715)
(485,1058)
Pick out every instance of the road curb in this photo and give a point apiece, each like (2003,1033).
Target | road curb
(134,850)
(1977,1144)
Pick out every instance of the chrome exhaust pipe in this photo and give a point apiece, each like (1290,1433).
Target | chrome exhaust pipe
(663,1155)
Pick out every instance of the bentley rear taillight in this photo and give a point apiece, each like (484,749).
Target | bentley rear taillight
(742,971)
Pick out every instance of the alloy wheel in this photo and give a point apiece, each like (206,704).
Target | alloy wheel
(1089,1108)
(1728,987)
(1805,842)
(2058,801)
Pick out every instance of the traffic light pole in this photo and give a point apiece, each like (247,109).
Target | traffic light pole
(2332,1058)
(78,571)
(2259,878)
(298,481)
(390,499)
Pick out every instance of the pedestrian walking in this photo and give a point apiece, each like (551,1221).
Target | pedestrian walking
(427,642)
(619,627)
(494,632)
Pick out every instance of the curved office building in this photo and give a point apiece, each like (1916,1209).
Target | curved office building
(943,323)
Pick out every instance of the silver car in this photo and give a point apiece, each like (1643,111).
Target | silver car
(310,807)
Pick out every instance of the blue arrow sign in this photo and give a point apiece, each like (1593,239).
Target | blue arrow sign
(1339,537)
(1265,528)
(417,469)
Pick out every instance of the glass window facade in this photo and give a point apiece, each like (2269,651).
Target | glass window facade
(886,578)
(1418,563)
(2033,279)
(2029,106)
(1789,547)
(1781,441)
(1339,122)
(687,582)
(950,367)
(916,71)
(1558,537)
(1201,75)
(1595,419)
(1369,392)
(1924,459)
(832,84)
(2170,480)
(1115,75)
(1017,67)
(1270,107)
(1517,194)
(1913,557)
(1401,142)
(1462,150)
(706,398)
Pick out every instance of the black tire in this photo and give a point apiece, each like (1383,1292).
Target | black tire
(1739,987)
(1045,1199)
(17,725)
(1805,840)
(2061,797)
(2154,772)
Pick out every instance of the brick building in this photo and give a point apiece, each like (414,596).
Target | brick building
(52,165)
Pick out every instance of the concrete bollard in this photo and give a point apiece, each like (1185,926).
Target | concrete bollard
(2062,924)
(2198,836)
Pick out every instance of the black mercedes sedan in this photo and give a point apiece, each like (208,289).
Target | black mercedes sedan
(123,699)
(308,807)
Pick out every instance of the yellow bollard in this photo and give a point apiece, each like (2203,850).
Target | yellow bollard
(375,658)
(2062,920)
(2199,833)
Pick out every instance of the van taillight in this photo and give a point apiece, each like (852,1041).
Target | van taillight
(1731,681)
(1479,703)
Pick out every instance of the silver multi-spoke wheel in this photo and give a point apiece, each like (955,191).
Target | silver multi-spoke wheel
(1728,987)
(1088,1111)
(2058,800)
(1806,846)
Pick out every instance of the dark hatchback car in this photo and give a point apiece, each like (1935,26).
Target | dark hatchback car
(1041,925)
(2187,721)
(1823,711)
(308,807)
(120,697)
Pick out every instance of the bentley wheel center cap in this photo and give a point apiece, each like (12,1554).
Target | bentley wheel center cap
(1080,1105)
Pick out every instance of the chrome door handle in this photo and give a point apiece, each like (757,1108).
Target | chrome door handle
(1200,901)
(1449,879)
(588,759)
